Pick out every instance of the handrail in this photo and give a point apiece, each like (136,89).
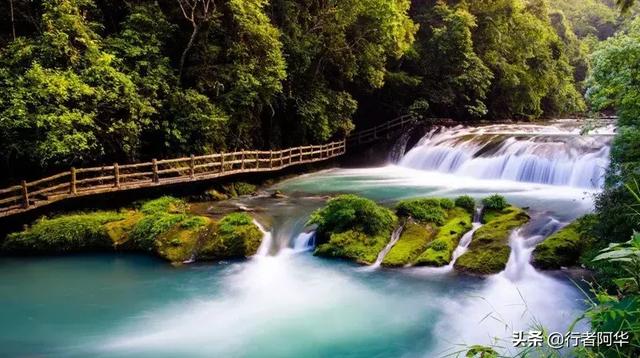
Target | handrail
(116,177)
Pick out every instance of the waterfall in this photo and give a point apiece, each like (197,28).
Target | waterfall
(465,240)
(395,236)
(522,246)
(304,241)
(525,153)
(267,240)
(399,148)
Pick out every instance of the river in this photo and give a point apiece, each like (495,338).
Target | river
(287,303)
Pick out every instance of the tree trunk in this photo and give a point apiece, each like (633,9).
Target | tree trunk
(186,50)
(13,24)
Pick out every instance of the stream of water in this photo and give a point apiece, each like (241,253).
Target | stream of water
(284,302)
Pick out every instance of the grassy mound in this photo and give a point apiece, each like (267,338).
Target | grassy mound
(162,226)
(415,238)
(439,252)
(564,248)
(64,234)
(235,236)
(489,249)
(353,228)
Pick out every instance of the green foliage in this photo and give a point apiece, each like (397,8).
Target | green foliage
(332,47)
(531,71)
(561,249)
(440,251)
(489,249)
(236,236)
(423,210)
(64,234)
(165,204)
(412,242)
(613,84)
(353,245)
(452,76)
(466,202)
(495,202)
(347,212)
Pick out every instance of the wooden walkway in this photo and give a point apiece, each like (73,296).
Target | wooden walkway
(96,180)
(373,134)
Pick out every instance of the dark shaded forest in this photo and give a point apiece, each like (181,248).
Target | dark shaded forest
(96,81)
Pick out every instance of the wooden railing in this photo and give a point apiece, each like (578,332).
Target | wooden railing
(96,180)
(372,134)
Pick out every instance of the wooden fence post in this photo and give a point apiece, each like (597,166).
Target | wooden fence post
(242,161)
(192,166)
(72,183)
(156,178)
(290,150)
(116,175)
(222,162)
(25,194)
(281,157)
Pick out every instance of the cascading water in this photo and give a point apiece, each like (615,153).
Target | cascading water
(525,153)
(267,240)
(465,240)
(395,236)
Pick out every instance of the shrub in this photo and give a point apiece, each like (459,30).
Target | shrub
(424,210)
(466,202)
(439,245)
(68,233)
(165,204)
(495,202)
(346,212)
(447,204)
(243,188)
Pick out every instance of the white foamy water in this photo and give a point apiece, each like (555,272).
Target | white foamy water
(524,153)
(267,240)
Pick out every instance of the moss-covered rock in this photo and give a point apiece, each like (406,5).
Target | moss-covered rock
(353,228)
(162,227)
(235,236)
(426,210)
(354,245)
(64,234)
(439,252)
(561,249)
(413,241)
(489,249)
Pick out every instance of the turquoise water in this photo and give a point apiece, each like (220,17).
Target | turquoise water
(288,304)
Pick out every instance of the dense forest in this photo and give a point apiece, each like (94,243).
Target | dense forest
(96,81)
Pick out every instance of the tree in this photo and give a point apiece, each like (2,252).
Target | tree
(198,13)
(333,50)
(69,103)
(613,84)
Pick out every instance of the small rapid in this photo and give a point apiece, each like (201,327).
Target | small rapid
(552,155)
(395,236)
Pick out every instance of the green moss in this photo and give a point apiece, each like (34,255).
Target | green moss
(69,233)
(119,231)
(561,249)
(151,227)
(413,241)
(427,210)
(165,204)
(215,195)
(440,251)
(243,188)
(181,241)
(351,212)
(489,249)
(354,245)
(235,236)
